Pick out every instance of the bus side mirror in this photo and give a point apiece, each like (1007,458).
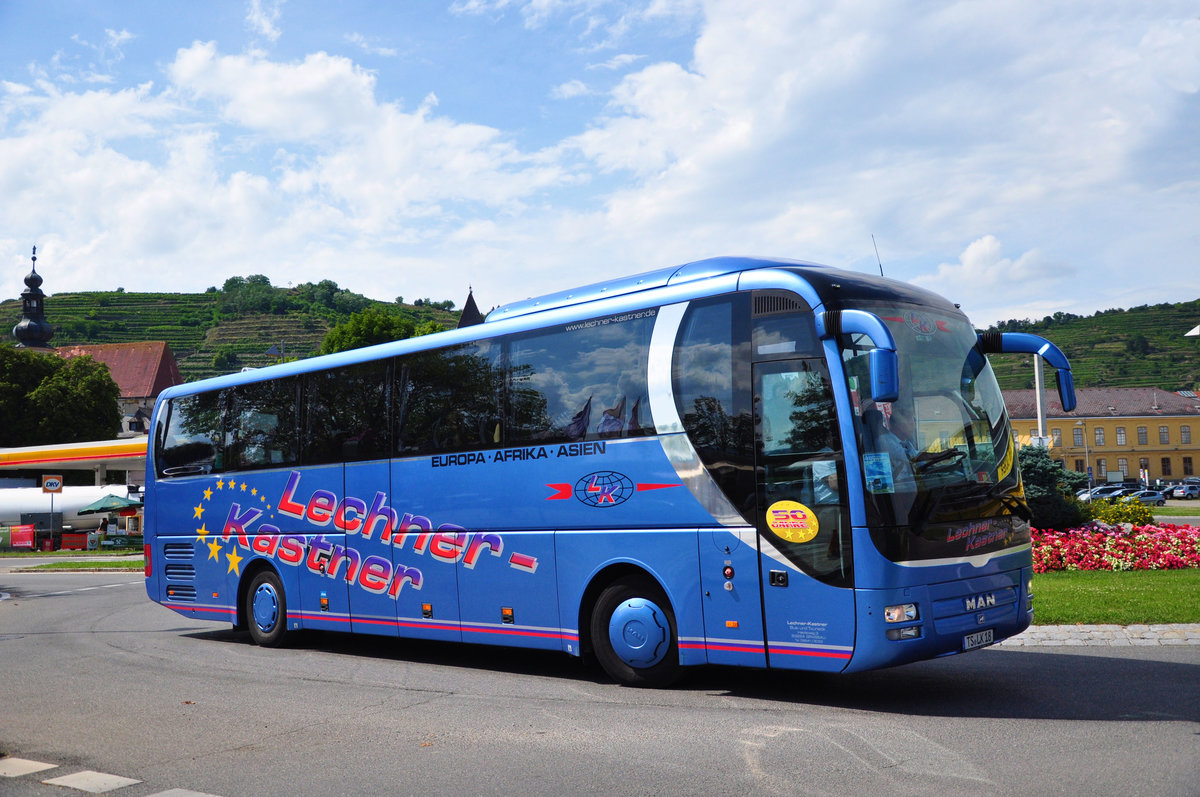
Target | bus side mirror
(885,377)
(1025,343)
(883,360)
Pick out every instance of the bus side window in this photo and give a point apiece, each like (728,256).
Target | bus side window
(190,442)
(451,400)
(711,375)
(346,414)
(261,431)
(582,381)
(783,327)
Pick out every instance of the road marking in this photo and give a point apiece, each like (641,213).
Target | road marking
(81,589)
(91,781)
(16,767)
(88,780)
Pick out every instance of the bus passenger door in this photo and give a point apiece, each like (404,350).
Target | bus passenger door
(803,519)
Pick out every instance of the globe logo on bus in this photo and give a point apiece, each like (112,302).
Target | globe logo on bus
(604,489)
(921,323)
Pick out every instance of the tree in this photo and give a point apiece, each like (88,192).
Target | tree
(46,399)
(1050,489)
(366,328)
(225,358)
(1138,346)
(21,371)
(78,402)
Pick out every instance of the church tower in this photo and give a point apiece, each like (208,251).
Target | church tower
(33,331)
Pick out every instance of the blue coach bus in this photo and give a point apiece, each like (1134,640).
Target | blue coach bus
(746,462)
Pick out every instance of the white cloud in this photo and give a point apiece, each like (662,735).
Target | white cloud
(321,96)
(368,46)
(993,148)
(570,90)
(262,17)
(116,38)
(618,62)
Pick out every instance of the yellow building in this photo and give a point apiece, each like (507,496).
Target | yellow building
(1120,433)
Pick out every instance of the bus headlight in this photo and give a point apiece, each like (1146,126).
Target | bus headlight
(902,613)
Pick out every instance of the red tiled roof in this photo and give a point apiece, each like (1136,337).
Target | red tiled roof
(1104,402)
(141,370)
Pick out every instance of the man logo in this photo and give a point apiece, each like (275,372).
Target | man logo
(976,602)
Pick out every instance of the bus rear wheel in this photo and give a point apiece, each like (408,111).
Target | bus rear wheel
(633,634)
(266,609)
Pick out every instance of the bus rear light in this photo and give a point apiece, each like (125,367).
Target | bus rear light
(901,613)
(146,556)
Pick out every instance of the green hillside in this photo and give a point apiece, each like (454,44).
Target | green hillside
(220,330)
(225,329)
(1140,347)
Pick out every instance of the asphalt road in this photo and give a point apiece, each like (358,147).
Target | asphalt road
(93,676)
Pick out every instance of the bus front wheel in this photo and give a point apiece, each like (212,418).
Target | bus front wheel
(266,609)
(633,634)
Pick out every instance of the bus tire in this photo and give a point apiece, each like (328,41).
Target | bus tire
(266,609)
(633,634)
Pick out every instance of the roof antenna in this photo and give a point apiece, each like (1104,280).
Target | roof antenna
(877,254)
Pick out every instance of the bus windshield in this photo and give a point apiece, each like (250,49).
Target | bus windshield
(938,465)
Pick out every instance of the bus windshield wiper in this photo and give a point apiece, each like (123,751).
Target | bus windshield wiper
(926,460)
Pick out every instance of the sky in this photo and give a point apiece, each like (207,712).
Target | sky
(1020,157)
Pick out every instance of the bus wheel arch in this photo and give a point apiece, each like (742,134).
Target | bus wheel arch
(262,605)
(629,626)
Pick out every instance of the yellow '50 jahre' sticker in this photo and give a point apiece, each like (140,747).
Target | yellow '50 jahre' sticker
(792,521)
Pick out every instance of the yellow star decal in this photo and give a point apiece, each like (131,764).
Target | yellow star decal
(199,510)
(254,491)
(214,550)
(234,561)
(207,493)
(220,484)
(201,533)
(243,487)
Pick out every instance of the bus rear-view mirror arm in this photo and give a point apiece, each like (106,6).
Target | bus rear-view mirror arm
(884,364)
(1025,343)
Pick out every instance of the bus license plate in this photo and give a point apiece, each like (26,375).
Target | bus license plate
(977,640)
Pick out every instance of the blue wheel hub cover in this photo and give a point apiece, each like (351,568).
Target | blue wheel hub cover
(639,632)
(266,607)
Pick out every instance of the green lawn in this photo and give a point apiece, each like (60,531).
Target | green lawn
(1120,598)
(132,566)
(1177,511)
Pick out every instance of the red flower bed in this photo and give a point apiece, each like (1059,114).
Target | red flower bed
(1165,547)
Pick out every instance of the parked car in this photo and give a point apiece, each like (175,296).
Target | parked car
(1188,491)
(1149,497)
(1103,492)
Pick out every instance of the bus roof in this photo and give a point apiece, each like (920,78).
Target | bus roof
(672,275)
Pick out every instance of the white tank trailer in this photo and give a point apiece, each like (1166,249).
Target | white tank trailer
(15,501)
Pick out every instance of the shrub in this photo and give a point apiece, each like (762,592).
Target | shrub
(1125,510)
(1048,489)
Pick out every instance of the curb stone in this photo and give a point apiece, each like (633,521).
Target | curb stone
(1098,635)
